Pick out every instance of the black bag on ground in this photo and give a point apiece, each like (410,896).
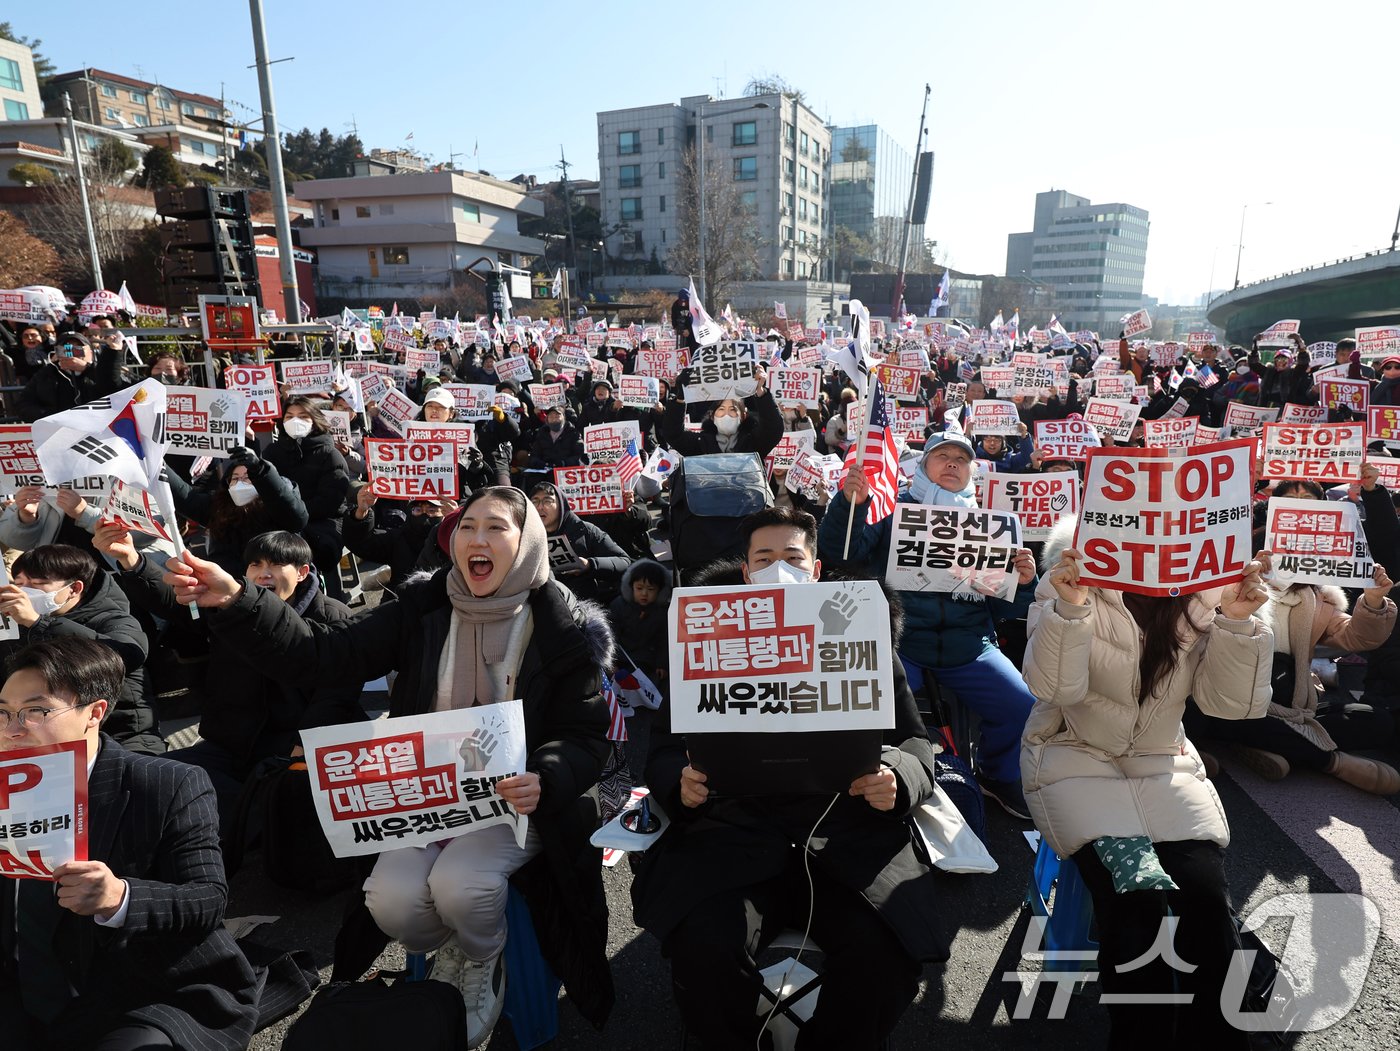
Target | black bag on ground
(286,979)
(276,809)
(710,497)
(373,1015)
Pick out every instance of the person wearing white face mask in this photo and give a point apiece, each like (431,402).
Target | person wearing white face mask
(950,638)
(58,591)
(725,876)
(306,456)
(734,425)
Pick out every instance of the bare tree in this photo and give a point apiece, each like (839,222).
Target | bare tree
(24,259)
(732,241)
(119,215)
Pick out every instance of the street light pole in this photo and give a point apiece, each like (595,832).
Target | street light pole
(700,165)
(272,141)
(1239,251)
(83,192)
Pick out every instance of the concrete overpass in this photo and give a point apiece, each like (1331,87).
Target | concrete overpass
(1331,300)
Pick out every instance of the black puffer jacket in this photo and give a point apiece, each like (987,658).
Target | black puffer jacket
(278,506)
(607,560)
(761,429)
(314,465)
(52,390)
(105,616)
(566,721)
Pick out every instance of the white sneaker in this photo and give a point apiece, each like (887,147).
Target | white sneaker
(447,964)
(483,987)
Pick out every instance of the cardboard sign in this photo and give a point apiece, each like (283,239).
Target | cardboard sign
(473,399)
(638,392)
(43,809)
(562,554)
(257,383)
(200,421)
(417,779)
(546,395)
(725,370)
(993,417)
(308,377)
(412,470)
(1037,500)
(429,361)
(781,659)
(955,550)
(603,442)
(1159,525)
(516,368)
(1065,439)
(1352,395)
(1317,542)
(998,379)
(592,490)
(796,386)
(19,466)
(1293,413)
(1136,323)
(1171,434)
(1112,418)
(787,450)
(898,381)
(1324,452)
(397,410)
(1382,339)
(1247,421)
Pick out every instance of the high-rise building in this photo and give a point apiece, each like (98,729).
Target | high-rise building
(870,176)
(772,147)
(19,86)
(1093,255)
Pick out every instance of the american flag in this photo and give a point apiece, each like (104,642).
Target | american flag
(617,719)
(630,465)
(881,462)
(1207,377)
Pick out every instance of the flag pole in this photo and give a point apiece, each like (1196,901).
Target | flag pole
(166,501)
(859,465)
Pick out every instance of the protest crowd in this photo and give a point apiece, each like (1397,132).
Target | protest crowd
(1059,572)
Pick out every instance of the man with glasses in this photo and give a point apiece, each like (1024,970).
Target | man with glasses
(126,949)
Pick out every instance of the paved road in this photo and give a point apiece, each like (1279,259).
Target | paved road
(1307,834)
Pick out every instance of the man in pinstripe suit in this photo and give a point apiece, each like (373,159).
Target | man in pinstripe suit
(125,950)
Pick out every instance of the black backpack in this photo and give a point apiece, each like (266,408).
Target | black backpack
(710,498)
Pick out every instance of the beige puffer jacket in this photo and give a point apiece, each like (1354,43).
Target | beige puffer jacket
(1096,763)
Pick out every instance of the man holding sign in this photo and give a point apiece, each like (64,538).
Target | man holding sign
(125,946)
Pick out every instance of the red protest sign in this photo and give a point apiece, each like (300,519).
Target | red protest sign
(257,383)
(1337,393)
(590,490)
(1324,452)
(1064,439)
(1384,423)
(1157,524)
(412,470)
(43,794)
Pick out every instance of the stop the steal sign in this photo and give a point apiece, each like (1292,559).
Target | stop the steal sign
(43,809)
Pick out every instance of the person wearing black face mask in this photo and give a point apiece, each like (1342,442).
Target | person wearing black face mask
(168,368)
(557,444)
(602,407)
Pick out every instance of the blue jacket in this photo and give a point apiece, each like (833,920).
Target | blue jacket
(1011,461)
(939,631)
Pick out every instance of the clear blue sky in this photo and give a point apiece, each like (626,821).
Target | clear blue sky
(1190,110)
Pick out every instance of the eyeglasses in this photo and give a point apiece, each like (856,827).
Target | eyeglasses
(31,717)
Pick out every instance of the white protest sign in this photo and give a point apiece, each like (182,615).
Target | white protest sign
(1111,386)
(1031,376)
(19,465)
(547,395)
(725,370)
(1323,452)
(1064,439)
(429,361)
(816,477)
(339,424)
(1134,324)
(603,442)
(638,392)
(562,554)
(796,386)
(909,422)
(956,550)
(415,780)
(999,379)
(592,490)
(1295,413)
(373,387)
(257,383)
(656,363)
(1247,421)
(1389,470)
(43,809)
(308,377)
(1176,433)
(516,368)
(572,354)
(200,421)
(1157,524)
(993,417)
(785,452)
(1112,418)
(396,410)
(780,659)
(132,509)
(463,435)
(1336,393)
(1322,353)
(1381,339)
(1317,542)
(1037,500)
(412,470)
(1209,435)
(473,399)
(34,306)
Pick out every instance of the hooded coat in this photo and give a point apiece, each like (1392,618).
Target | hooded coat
(608,560)
(1095,762)
(641,630)
(280,507)
(729,843)
(314,465)
(566,721)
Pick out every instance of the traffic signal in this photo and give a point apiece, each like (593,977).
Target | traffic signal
(210,246)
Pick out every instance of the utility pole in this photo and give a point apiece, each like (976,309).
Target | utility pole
(568,207)
(909,211)
(83,192)
(291,301)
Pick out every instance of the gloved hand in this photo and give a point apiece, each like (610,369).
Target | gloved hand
(242,456)
(497,413)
